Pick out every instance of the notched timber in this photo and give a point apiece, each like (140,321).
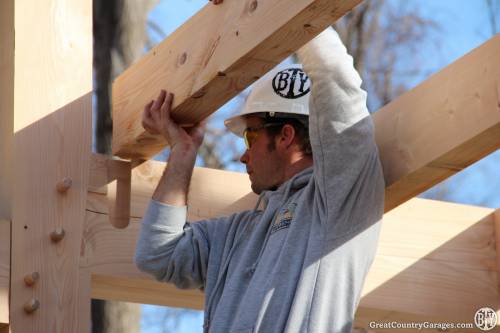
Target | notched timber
(442,126)
(229,39)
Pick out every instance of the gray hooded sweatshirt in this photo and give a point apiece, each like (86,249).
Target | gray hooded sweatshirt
(299,264)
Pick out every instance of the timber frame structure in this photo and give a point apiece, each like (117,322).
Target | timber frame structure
(436,261)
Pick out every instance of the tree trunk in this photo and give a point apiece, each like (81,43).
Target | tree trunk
(119,39)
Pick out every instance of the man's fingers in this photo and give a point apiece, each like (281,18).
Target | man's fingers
(159,101)
(166,106)
(148,106)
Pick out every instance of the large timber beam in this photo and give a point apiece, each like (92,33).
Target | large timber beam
(45,119)
(434,259)
(433,131)
(442,126)
(212,57)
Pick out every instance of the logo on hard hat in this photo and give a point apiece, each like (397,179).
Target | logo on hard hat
(291,83)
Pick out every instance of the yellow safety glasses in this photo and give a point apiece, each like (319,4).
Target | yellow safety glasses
(250,134)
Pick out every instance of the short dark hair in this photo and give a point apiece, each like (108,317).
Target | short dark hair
(300,124)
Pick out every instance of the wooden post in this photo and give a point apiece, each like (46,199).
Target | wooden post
(45,119)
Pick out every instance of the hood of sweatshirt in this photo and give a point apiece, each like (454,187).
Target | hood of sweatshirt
(288,188)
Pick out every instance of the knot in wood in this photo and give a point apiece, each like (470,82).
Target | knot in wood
(183,58)
(253,6)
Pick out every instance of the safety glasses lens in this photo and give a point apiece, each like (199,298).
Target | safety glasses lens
(250,137)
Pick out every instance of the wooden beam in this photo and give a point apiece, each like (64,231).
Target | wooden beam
(442,126)
(430,252)
(207,197)
(51,140)
(212,57)
(434,259)
(433,131)
(4,271)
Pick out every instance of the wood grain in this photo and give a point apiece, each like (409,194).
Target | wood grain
(206,196)
(425,136)
(6,138)
(442,126)
(212,57)
(51,141)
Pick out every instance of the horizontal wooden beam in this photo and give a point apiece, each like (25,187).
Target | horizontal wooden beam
(4,271)
(434,258)
(212,57)
(442,126)
(207,197)
(431,132)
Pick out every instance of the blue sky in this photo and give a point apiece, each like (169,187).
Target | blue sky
(463,25)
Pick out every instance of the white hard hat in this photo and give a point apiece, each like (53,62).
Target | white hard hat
(284,90)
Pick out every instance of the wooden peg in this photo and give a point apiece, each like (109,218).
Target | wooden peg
(63,185)
(57,234)
(30,279)
(31,306)
(119,192)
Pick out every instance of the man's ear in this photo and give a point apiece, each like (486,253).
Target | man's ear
(287,135)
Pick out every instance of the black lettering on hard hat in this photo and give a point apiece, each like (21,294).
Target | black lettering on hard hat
(291,83)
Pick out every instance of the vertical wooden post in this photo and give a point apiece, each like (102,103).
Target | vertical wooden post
(6,137)
(46,118)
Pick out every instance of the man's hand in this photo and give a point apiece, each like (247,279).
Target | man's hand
(156,120)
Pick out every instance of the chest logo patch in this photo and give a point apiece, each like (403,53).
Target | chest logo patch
(284,218)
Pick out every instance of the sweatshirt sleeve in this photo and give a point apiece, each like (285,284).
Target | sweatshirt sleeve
(346,166)
(171,249)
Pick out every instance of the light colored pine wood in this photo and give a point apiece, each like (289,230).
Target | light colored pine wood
(434,258)
(4,271)
(147,291)
(425,136)
(119,196)
(6,137)
(6,104)
(214,55)
(442,126)
(207,197)
(51,114)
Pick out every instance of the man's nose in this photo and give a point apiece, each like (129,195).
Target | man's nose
(244,157)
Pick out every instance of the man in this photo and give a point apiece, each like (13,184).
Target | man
(298,264)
